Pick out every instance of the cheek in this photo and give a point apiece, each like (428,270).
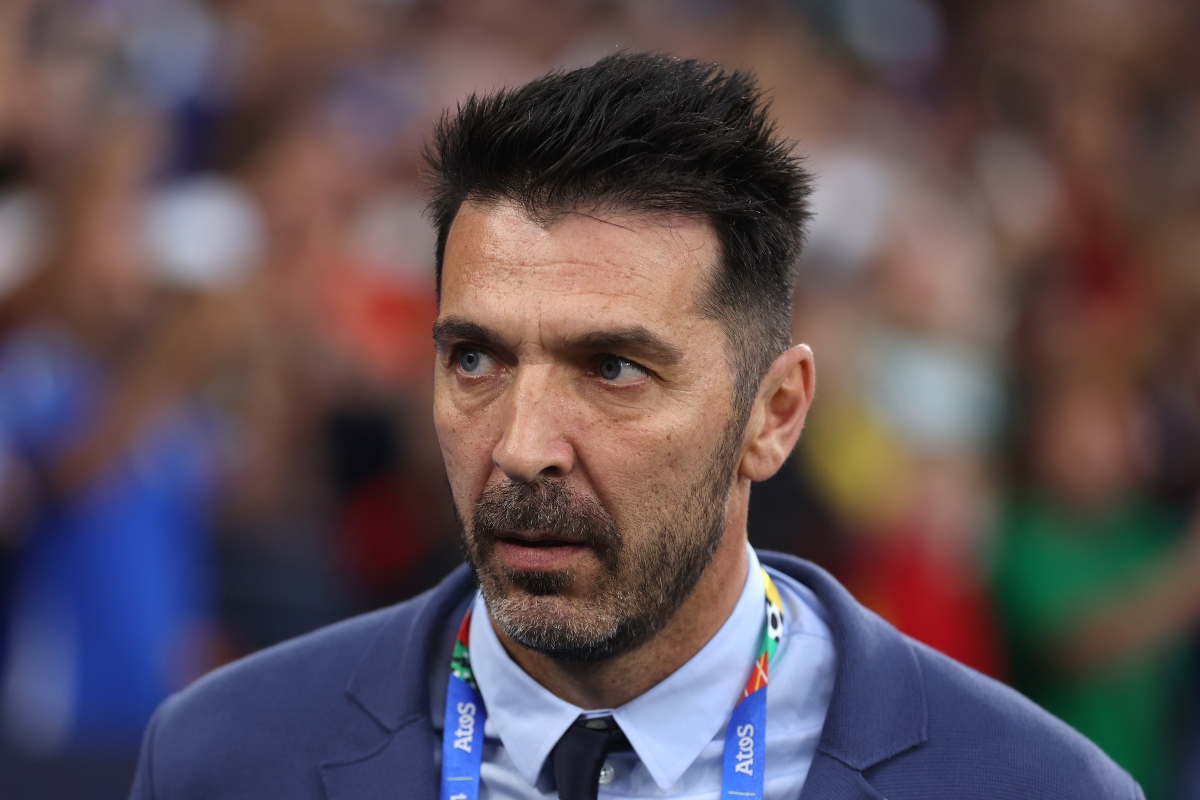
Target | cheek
(648,466)
(640,473)
(466,449)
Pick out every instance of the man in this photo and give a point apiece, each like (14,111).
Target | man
(615,251)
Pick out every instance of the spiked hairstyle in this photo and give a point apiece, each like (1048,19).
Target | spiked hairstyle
(649,134)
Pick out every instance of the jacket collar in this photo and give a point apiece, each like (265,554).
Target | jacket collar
(878,708)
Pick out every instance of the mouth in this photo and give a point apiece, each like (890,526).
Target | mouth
(535,551)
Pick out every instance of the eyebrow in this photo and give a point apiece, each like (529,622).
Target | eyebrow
(456,329)
(628,339)
(633,338)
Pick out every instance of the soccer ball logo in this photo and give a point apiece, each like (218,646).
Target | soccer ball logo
(774,622)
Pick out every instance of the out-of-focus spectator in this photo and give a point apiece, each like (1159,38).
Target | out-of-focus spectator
(110,601)
(1099,583)
(900,444)
(333,515)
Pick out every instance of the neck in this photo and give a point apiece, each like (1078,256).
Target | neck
(615,681)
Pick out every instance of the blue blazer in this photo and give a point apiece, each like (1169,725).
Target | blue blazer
(345,713)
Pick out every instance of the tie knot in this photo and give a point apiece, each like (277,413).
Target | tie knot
(580,753)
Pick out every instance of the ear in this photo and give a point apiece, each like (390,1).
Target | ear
(778,413)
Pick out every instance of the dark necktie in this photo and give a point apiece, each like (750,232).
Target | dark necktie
(580,753)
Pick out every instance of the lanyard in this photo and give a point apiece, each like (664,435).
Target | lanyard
(745,738)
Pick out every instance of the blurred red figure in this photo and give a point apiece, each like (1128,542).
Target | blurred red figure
(922,574)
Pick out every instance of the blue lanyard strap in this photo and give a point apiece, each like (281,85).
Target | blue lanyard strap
(462,738)
(745,738)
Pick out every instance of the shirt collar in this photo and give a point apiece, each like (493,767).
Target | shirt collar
(668,726)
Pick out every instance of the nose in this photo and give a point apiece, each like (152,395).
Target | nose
(534,444)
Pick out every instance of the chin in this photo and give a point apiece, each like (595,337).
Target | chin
(549,623)
(581,630)
(548,583)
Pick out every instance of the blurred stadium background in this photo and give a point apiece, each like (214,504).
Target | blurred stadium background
(216,294)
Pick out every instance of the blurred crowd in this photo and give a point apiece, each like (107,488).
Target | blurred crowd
(216,294)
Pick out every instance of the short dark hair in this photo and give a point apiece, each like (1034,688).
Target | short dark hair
(645,133)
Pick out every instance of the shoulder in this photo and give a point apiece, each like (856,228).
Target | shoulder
(917,724)
(262,721)
(291,677)
(264,725)
(984,735)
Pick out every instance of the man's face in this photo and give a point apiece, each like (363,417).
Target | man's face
(585,411)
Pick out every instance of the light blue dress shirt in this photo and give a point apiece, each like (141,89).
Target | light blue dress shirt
(677,728)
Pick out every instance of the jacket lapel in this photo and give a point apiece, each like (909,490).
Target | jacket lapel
(402,767)
(392,680)
(830,779)
(391,685)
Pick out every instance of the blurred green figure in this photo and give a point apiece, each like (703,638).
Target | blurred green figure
(1098,584)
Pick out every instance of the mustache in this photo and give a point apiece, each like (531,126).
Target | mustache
(548,507)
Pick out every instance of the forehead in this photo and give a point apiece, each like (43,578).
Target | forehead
(580,268)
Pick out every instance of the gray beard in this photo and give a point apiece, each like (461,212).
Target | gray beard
(640,586)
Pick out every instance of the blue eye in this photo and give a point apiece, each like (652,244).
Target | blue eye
(618,370)
(470,361)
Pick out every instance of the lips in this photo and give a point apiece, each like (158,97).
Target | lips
(535,538)
(526,551)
